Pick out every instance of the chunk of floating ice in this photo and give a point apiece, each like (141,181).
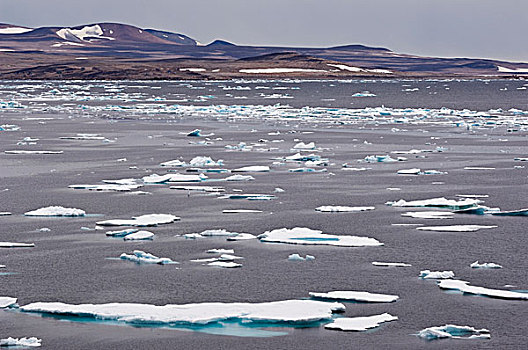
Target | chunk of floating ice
(142,220)
(20,342)
(473,195)
(127,181)
(353,169)
(454,332)
(476,265)
(306,170)
(139,235)
(390,264)
(365,297)
(229,257)
(382,159)
(455,228)
(121,233)
(519,159)
(306,236)
(7,302)
(417,171)
(195,133)
(429,214)
(224,264)
(426,274)
(338,209)
(520,212)
(239,178)
(140,257)
(297,257)
(305,146)
(203,161)
(107,187)
(249,196)
(83,137)
(478,168)
(359,324)
(364,94)
(5,213)
(221,251)
(217,232)
(298,157)
(437,202)
(199,188)
(252,169)
(292,311)
(278,190)
(56,211)
(32,152)
(240,211)
(241,237)
(155,178)
(16,245)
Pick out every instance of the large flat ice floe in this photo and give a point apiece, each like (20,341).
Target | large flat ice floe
(141,257)
(438,203)
(32,152)
(490,265)
(16,245)
(139,236)
(288,311)
(454,331)
(427,274)
(464,287)
(429,214)
(7,302)
(341,209)
(390,264)
(141,221)
(364,297)
(359,324)
(21,343)
(107,187)
(56,211)
(306,236)
(455,228)
(252,169)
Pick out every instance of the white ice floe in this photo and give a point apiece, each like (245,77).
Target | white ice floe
(304,146)
(240,211)
(56,211)
(364,297)
(141,221)
(224,264)
(429,214)
(198,161)
(32,152)
(155,178)
(359,324)
(239,177)
(16,245)
(464,287)
(218,232)
(490,265)
(437,202)
(390,264)
(141,257)
(5,213)
(25,342)
(336,209)
(252,169)
(306,236)
(241,237)
(478,168)
(417,171)
(249,196)
(221,251)
(292,311)
(121,233)
(364,94)
(297,257)
(86,137)
(107,187)
(426,274)
(454,332)
(7,302)
(455,228)
(199,188)
(382,159)
(139,236)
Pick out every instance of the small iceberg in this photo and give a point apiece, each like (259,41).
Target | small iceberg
(297,257)
(21,342)
(304,146)
(195,133)
(56,211)
(139,236)
(382,159)
(240,211)
(364,297)
(455,228)
(221,251)
(364,94)
(141,257)
(16,245)
(159,179)
(390,264)
(224,264)
(241,237)
(249,196)
(7,302)
(32,152)
(252,169)
(464,287)
(141,221)
(341,209)
(454,332)
(429,214)
(239,178)
(426,274)
(417,171)
(306,236)
(438,203)
(359,324)
(490,265)
(107,187)
(199,188)
(121,233)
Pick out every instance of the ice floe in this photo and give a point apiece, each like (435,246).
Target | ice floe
(107,187)
(221,251)
(455,228)
(240,211)
(427,274)
(198,161)
(56,211)
(239,177)
(16,245)
(490,265)
(141,257)
(241,237)
(252,169)
(336,209)
(364,297)
(359,324)
(390,264)
(304,146)
(438,203)
(214,189)
(139,235)
(32,152)
(224,264)
(418,171)
(454,332)
(7,302)
(121,233)
(156,179)
(306,236)
(429,214)
(290,311)
(382,159)
(297,257)
(24,342)
(249,196)
(141,221)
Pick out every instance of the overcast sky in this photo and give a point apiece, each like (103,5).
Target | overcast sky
(461,28)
